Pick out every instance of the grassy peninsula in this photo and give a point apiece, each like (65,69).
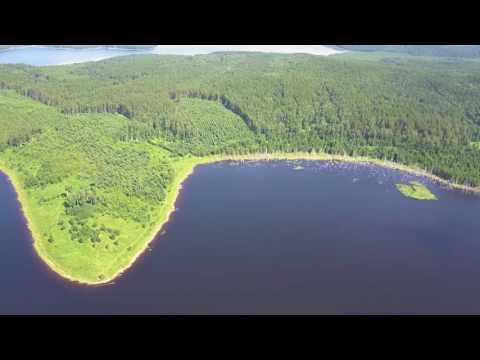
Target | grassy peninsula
(98,151)
(99,265)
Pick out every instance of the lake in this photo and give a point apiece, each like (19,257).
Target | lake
(42,56)
(263,238)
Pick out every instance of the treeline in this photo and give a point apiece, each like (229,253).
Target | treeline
(469,51)
(22,119)
(80,108)
(73,109)
(410,113)
(222,99)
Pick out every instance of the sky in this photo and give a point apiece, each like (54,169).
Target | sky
(205,49)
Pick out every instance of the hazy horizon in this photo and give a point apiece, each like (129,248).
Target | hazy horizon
(323,50)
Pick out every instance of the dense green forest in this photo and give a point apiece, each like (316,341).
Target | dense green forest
(469,51)
(408,112)
(98,147)
(21,119)
(92,194)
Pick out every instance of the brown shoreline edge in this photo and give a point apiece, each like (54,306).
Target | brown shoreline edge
(185,172)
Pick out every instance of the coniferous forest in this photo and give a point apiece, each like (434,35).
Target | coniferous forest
(96,148)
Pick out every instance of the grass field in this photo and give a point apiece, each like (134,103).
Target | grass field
(416,190)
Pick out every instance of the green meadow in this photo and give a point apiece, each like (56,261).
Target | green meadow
(416,190)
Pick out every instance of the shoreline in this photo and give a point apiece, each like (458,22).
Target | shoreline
(24,207)
(85,47)
(187,169)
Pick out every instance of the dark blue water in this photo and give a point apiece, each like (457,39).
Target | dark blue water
(263,238)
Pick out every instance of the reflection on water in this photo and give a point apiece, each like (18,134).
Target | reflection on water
(261,237)
(40,56)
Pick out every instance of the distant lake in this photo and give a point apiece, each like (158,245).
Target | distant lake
(42,56)
(263,238)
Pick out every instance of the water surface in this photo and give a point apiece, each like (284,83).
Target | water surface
(42,56)
(262,238)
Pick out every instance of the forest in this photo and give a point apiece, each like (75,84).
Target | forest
(469,51)
(97,147)
(408,112)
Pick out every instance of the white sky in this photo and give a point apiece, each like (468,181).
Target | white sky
(205,49)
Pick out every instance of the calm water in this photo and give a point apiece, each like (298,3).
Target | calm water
(264,238)
(40,56)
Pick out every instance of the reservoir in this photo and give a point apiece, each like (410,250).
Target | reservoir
(43,56)
(264,238)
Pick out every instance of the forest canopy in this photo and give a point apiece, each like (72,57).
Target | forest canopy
(98,149)
(408,112)
(469,51)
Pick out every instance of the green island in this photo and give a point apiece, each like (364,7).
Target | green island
(97,152)
(416,190)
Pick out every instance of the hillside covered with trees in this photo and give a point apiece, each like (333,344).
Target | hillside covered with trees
(410,114)
(468,51)
(98,149)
